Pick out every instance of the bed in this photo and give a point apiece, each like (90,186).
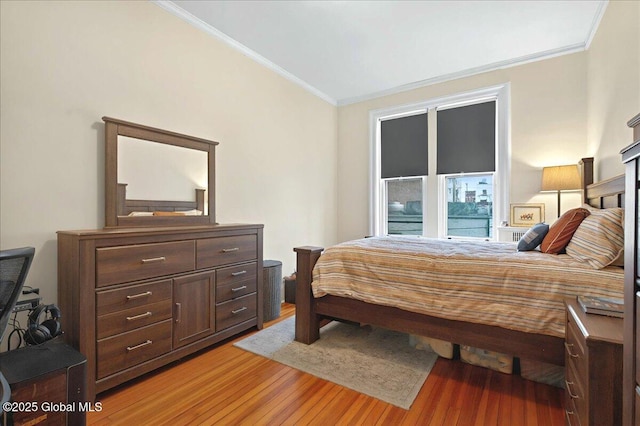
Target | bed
(506,328)
(127,207)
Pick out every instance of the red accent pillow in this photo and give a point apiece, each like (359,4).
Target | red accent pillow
(562,230)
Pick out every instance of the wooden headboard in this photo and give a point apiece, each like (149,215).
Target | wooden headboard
(129,206)
(604,194)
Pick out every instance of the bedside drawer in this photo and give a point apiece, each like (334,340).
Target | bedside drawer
(575,396)
(235,281)
(135,296)
(226,250)
(130,263)
(235,311)
(127,349)
(575,350)
(130,319)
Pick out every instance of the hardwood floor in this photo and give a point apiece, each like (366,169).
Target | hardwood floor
(226,385)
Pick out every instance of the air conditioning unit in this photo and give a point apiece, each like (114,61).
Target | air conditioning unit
(510,233)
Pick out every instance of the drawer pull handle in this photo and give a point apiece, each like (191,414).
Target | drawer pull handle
(239,288)
(135,317)
(568,415)
(237,311)
(141,345)
(236,274)
(154,260)
(568,347)
(178,311)
(571,394)
(135,296)
(230,250)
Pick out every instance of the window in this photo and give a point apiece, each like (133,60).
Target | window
(469,211)
(440,168)
(403,165)
(404,206)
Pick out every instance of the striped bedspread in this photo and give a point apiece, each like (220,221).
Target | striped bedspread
(479,282)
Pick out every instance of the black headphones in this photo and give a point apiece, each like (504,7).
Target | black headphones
(37,333)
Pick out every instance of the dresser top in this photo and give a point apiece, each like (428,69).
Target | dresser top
(158,230)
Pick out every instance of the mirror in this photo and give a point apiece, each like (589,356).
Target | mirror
(155,171)
(154,177)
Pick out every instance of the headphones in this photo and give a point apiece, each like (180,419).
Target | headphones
(37,333)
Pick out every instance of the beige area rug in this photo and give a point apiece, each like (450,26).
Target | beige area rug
(376,362)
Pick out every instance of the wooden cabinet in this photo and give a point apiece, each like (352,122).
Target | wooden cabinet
(631,385)
(194,300)
(593,368)
(135,299)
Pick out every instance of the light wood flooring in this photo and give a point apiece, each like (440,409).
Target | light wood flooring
(226,385)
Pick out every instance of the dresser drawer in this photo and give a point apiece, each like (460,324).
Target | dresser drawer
(130,263)
(575,396)
(235,311)
(127,349)
(130,319)
(226,250)
(235,281)
(135,296)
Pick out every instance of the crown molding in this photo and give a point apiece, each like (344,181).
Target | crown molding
(602,7)
(579,47)
(176,10)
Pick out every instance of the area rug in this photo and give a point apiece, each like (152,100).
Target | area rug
(373,361)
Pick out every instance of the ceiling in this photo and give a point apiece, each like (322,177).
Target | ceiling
(348,51)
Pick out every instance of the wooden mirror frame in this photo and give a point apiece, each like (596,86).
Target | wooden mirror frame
(114,191)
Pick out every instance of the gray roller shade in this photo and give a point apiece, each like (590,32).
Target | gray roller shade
(404,146)
(467,139)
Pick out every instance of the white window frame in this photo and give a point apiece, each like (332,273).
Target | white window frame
(502,176)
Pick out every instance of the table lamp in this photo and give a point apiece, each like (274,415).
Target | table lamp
(560,178)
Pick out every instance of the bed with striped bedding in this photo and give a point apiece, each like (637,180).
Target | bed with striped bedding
(480,282)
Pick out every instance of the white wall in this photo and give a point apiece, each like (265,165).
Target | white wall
(614,85)
(64,65)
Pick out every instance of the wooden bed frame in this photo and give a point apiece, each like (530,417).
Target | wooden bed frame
(312,313)
(126,206)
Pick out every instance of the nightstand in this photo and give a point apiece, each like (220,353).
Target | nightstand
(593,367)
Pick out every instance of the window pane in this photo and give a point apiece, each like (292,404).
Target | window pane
(404,208)
(470,206)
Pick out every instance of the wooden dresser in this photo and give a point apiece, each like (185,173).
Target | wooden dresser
(135,299)
(631,385)
(593,368)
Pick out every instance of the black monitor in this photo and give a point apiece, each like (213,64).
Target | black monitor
(14,266)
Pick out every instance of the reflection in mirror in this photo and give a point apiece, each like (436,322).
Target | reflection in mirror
(154,171)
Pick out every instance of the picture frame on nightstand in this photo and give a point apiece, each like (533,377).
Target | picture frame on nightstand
(526,214)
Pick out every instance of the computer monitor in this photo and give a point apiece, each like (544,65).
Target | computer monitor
(14,266)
